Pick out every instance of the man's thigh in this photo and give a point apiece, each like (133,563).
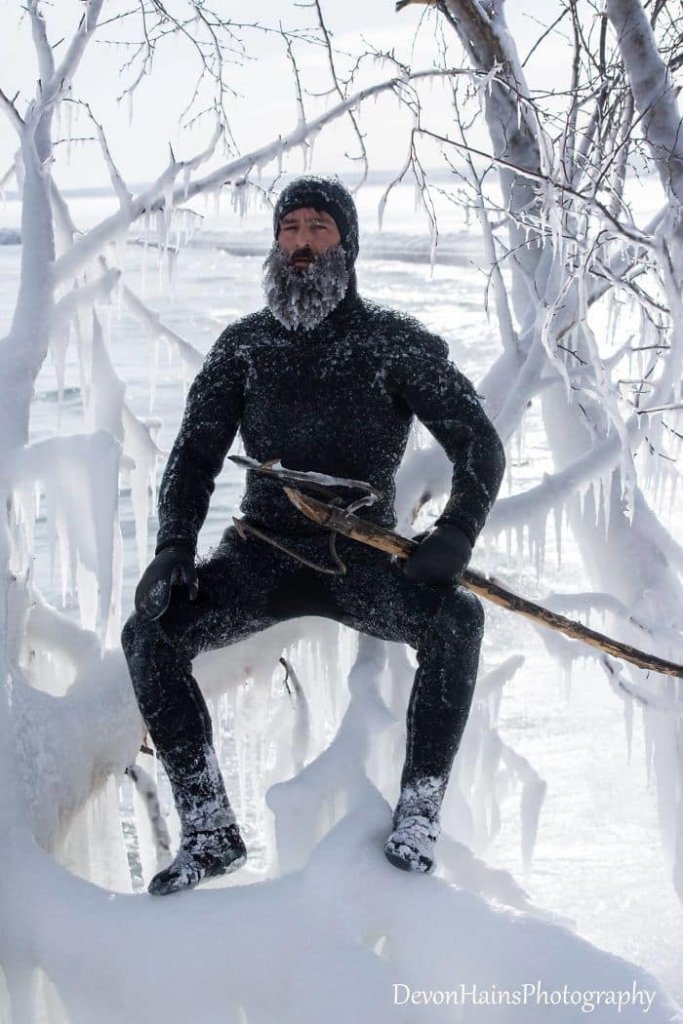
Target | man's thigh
(232,598)
(246,586)
(376,597)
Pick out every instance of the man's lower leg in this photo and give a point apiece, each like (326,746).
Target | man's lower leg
(437,714)
(416,824)
(210,841)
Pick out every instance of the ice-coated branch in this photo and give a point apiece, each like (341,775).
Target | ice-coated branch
(118,184)
(163,193)
(557,488)
(629,232)
(46,61)
(13,114)
(301,112)
(654,91)
(363,157)
(98,290)
(508,332)
(65,71)
(10,173)
(191,356)
(664,703)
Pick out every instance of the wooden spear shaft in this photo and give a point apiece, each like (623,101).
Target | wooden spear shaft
(394,544)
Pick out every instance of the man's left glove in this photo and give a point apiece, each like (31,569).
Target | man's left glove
(441,557)
(173,565)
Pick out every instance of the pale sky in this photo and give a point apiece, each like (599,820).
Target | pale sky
(264,106)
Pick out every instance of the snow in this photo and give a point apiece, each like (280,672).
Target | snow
(314,941)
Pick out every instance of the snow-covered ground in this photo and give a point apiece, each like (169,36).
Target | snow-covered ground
(598,860)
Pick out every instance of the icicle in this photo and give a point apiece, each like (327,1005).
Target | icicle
(120,244)
(649,746)
(86,588)
(171,270)
(531,804)
(311,147)
(607,499)
(107,389)
(558,513)
(59,344)
(567,667)
(519,533)
(381,207)
(433,242)
(161,235)
(628,726)
(145,253)
(168,210)
(532,541)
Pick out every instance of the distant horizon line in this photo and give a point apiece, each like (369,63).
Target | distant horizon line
(374,177)
(377,177)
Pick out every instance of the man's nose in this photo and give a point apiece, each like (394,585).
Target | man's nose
(304,237)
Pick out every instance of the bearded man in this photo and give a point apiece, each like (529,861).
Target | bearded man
(324,381)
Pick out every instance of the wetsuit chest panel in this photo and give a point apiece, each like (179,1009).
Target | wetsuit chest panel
(322,400)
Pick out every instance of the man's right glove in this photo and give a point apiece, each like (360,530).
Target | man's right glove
(173,565)
(441,556)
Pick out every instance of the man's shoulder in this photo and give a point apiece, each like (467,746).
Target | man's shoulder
(246,328)
(405,333)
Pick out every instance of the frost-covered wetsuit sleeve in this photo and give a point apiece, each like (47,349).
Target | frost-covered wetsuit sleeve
(212,416)
(445,401)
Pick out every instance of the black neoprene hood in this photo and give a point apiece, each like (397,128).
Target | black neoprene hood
(328,194)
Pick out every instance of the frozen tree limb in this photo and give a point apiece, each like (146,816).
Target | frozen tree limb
(98,290)
(363,157)
(163,192)
(10,109)
(653,89)
(45,56)
(65,71)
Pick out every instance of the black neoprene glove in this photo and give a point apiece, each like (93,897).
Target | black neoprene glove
(441,556)
(173,565)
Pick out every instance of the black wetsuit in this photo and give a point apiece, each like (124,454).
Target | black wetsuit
(338,399)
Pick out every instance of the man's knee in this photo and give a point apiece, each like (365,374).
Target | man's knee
(130,634)
(464,613)
(139,638)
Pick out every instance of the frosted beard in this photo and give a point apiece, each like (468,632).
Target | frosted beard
(303,298)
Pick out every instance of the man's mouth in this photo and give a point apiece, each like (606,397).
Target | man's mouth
(302,259)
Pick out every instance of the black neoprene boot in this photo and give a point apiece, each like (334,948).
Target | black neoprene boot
(210,842)
(201,855)
(416,825)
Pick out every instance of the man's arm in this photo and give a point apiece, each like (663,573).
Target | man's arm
(445,401)
(212,416)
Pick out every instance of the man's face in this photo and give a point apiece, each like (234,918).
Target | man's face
(305,234)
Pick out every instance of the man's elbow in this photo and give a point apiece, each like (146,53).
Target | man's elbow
(498,458)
